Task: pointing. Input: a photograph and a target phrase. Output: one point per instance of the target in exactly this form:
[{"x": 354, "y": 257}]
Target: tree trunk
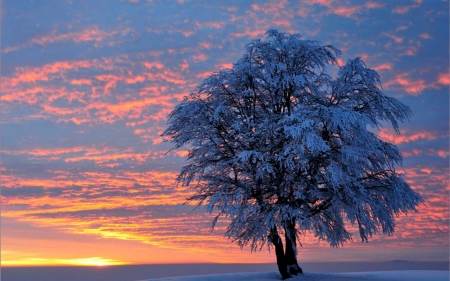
[
  {"x": 291, "y": 250},
  {"x": 279, "y": 251}
]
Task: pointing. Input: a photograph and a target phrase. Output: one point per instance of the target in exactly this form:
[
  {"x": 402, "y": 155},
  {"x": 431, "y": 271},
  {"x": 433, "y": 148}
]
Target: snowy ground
[{"x": 400, "y": 275}]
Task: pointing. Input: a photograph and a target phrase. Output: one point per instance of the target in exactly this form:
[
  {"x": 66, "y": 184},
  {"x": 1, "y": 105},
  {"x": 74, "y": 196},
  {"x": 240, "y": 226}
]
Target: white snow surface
[{"x": 399, "y": 275}]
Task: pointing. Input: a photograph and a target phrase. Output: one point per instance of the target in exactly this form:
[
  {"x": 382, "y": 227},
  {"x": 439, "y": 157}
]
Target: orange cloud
[
  {"x": 134, "y": 79},
  {"x": 29, "y": 95},
  {"x": 152, "y": 134},
  {"x": 181, "y": 153},
  {"x": 52, "y": 70},
  {"x": 81, "y": 82},
  {"x": 224, "y": 65},
  {"x": 168, "y": 76}
]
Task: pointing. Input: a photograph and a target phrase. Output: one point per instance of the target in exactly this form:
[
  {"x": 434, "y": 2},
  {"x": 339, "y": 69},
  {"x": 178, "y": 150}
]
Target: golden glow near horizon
[
  {"x": 86, "y": 178},
  {"x": 93, "y": 261}
]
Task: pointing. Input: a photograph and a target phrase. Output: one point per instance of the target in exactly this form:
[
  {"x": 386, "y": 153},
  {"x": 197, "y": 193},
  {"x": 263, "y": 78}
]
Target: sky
[{"x": 86, "y": 88}]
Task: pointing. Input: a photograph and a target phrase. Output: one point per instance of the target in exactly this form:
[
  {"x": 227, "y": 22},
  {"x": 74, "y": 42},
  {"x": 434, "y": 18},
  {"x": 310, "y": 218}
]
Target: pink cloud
[
  {"x": 36, "y": 86},
  {"x": 89, "y": 35},
  {"x": 383, "y": 66},
  {"x": 444, "y": 79},
  {"x": 425, "y": 35},
  {"x": 405, "y": 9},
  {"x": 81, "y": 82},
  {"x": 346, "y": 11},
  {"x": 405, "y": 137},
  {"x": 275, "y": 14},
  {"x": 110, "y": 81},
  {"x": 156, "y": 65},
  {"x": 282, "y": 22},
  {"x": 152, "y": 134},
  {"x": 412, "y": 86},
  {"x": 223, "y": 66},
  {"x": 210, "y": 24},
  {"x": 205, "y": 45},
  {"x": 337, "y": 8},
  {"x": 397, "y": 39},
  {"x": 184, "y": 65},
  {"x": 373, "y": 5},
  {"x": 250, "y": 33},
  {"x": 51, "y": 71},
  {"x": 200, "y": 57},
  {"x": 416, "y": 152},
  {"x": 168, "y": 76},
  {"x": 134, "y": 79},
  {"x": 272, "y": 7},
  {"x": 203, "y": 75}
]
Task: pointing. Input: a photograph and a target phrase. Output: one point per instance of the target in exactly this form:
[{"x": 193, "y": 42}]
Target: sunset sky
[{"x": 86, "y": 89}]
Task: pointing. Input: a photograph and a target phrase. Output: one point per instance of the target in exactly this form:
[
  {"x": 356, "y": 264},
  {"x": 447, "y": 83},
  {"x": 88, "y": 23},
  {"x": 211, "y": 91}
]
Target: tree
[{"x": 280, "y": 148}]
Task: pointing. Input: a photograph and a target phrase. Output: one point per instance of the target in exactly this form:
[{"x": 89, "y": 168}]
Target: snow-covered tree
[{"x": 280, "y": 148}]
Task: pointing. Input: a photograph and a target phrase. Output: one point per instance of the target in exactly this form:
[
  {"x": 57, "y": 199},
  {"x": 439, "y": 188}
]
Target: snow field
[{"x": 399, "y": 275}]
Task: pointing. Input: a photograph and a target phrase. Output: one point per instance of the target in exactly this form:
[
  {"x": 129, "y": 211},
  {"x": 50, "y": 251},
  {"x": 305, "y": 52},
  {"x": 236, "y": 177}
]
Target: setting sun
[{"x": 93, "y": 261}]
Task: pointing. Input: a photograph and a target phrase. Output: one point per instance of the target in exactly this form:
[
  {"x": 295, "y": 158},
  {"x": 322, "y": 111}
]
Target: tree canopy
[{"x": 280, "y": 147}]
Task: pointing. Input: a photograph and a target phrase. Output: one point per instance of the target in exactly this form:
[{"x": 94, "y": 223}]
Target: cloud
[
  {"x": 84, "y": 91},
  {"x": 383, "y": 66},
  {"x": 397, "y": 39},
  {"x": 210, "y": 24},
  {"x": 92, "y": 35},
  {"x": 255, "y": 22},
  {"x": 199, "y": 58},
  {"x": 52, "y": 71},
  {"x": 414, "y": 86},
  {"x": 444, "y": 78},
  {"x": 225, "y": 65},
  {"x": 443, "y": 153},
  {"x": 345, "y": 10},
  {"x": 389, "y": 135},
  {"x": 425, "y": 36},
  {"x": 405, "y": 9}
]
